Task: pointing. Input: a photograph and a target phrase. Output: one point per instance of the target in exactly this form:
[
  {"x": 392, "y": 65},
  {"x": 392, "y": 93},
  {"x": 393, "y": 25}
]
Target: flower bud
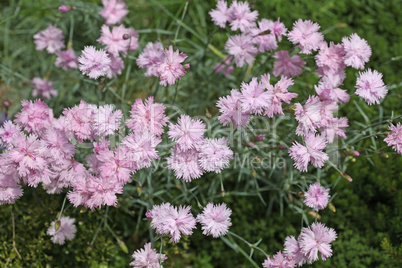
[
  {"x": 260, "y": 137},
  {"x": 64, "y": 8},
  {"x": 126, "y": 36},
  {"x": 57, "y": 225}
]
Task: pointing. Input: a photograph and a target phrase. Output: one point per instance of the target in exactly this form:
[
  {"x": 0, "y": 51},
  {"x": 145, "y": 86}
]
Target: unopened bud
[
  {"x": 283, "y": 147},
  {"x": 258, "y": 159},
  {"x": 100, "y": 86},
  {"x": 314, "y": 214},
  {"x": 6, "y": 103},
  {"x": 260, "y": 137},
  {"x": 300, "y": 194},
  {"x": 123, "y": 246},
  {"x": 187, "y": 66},
  {"x": 148, "y": 214},
  {"x": 223, "y": 192},
  {"x": 126, "y": 36},
  {"x": 356, "y": 153},
  {"x": 251, "y": 144},
  {"x": 346, "y": 176},
  {"x": 64, "y": 8},
  {"x": 208, "y": 115},
  {"x": 254, "y": 173},
  {"x": 332, "y": 207},
  {"x": 342, "y": 25},
  {"x": 139, "y": 189},
  {"x": 57, "y": 225}
]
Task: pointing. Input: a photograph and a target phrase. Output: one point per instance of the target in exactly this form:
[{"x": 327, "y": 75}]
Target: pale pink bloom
[
  {"x": 186, "y": 164},
  {"x": 293, "y": 251},
  {"x": 43, "y": 88},
  {"x": 329, "y": 59},
  {"x": 187, "y": 132},
  {"x": 150, "y": 58},
  {"x": 81, "y": 119},
  {"x": 317, "y": 238},
  {"x": 370, "y": 87},
  {"x": 103, "y": 192},
  {"x": 141, "y": 148},
  {"x": 34, "y": 117},
  {"x": 51, "y": 38},
  {"x": 114, "y": 11},
  {"x": 306, "y": 35},
  {"x": 357, "y": 51},
  {"x": 242, "y": 48},
  {"x": 225, "y": 66},
  {"x": 170, "y": 69},
  {"x": 106, "y": 121},
  {"x": 220, "y": 15},
  {"x": 277, "y": 28},
  {"x": 308, "y": 115},
  {"x": 215, "y": 219},
  {"x": 67, "y": 59},
  {"x": 115, "y": 67},
  {"x": 286, "y": 65},
  {"x": 80, "y": 193},
  {"x": 119, "y": 40},
  {"x": 168, "y": 220},
  {"x": 280, "y": 94},
  {"x": 7, "y": 131},
  {"x": 311, "y": 152},
  {"x": 394, "y": 138},
  {"x": 10, "y": 191},
  {"x": 317, "y": 197},
  {"x": 147, "y": 258},
  {"x": 278, "y": 260},
  {"x": 231, "y": 111},
  {"x": 115, "y": 164},
  {"x": 94, "y": 63},
  {"x": 335, "y": 127},
  {"x": 65, "y": 232},
  {"x": 263, "y": 37},
  {"x": 214, "y": 154},
  {"x": 64, "y": 8},
  {"x": 241, "y": 17},
  {"x": 148, "y": 116},
  {"x": 328, "y": 89},
  {"x": 57, "y": 145},
  {"x": 254, "y": 98}
]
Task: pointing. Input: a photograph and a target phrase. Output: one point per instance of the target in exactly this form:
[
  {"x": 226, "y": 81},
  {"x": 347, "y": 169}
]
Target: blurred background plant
[{"x": 264, "y": 198}]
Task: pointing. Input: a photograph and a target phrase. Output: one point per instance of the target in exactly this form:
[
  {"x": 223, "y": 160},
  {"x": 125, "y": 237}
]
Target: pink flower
[
  {"x": 317, "y": 238},
  {"x": 215, "y": 220},
  {"x": 335, "y": 127},
  {"x": 241, "y": 17},
  {"x": 67, "y": 59},
  {"x": 328, "y": 89},
  {"x": 81, "y": 120},
  {"x": 280, "y": 93},
  {"x": 394, "y": 138},
  {"x": 94, "y": 63},
  {"x": 357, "y": 51},
  {"x": 149, "y": 116},
  {"x": 215, "y": 154},
  {"x": 242, "y": 48},
  {"x": 10, "y": 191},
  {"x": 115, "y": 164},
  {"x": 57, "y": 145},
  {"x": 64, "y": 8},
  {"x": 265, "y": 40},
  {"x": 114, "y": 11},
  {"x": 225, "y": 66},
  {"x": 306, "y": 35},
  {"x": 220, "y": 15},
  {"x": 370, "y": 87},
  {"x": 51, "y": 38},
  {"x": 35, "y": 116},
  {"x": 317, "y": 197},
  {"x": 115, "y": 67},
  {"x": 150, "y": 58},
  {"x": 170, "y": 69},
  {"x": 187, "y": 132},
  {"x": 309, "y": 115},
  {"x": 65, "y": 232},
  {"x": 330, "y": 58},
  {"x": 43, "y": 88},
  {"x": 278, "y": 260},
  {"x": 147, "y": 258},
  {"x": 254, "y": 98},
  {"x": 186, "y": 164},
  {"x": 167, "y": 219},
  {"x": 120, "y": 39},
  {"x": 293, "y": 251},
  {"x": 103, "y": 192},
  {"x": 312, "y": 152},
  {"x": 106, "y": 121},
  {"x": 288, "y": 66},
  {"x": 277, "y": 28},
  {"x": 8, "y": 131},
  {"x": 231, "y": 111}
]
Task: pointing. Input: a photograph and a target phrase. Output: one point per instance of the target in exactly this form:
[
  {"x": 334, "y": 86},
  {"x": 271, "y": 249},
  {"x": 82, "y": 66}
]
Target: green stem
[
  {"x": 178, "y": 26},
  {"x": 62, "y": 208},
  {"x": 160, "y": 253}
]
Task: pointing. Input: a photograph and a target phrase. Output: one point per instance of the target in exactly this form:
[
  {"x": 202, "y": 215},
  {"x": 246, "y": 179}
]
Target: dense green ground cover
[{"x": 368, "y": 210}]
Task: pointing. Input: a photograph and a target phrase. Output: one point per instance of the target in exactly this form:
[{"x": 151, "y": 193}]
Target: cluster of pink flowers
[
  {"x": 194, "y": 154},
  {"x": 169, "y": 220},
  {"x": 163, "y": 63},
  {"x": 313, "y": 240}
]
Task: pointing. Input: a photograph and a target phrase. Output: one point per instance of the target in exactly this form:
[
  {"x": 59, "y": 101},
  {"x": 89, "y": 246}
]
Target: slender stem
[
  {"x": 160, "y": 253},
  {"x": 175, "y": 92},
  {"x": 62, "y": 207},
  {"x": 70, "y": 37},
  {"x": 178, "y": 26},
  {"x": 14, "y": 247}
]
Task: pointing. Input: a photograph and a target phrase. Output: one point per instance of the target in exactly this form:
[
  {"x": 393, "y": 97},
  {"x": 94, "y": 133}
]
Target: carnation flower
[
  {"x": 7, "y": 131},
  {"x": 106, "y": 121},
  {"x": 242, "y": 48},
  {"x": 231, "y": 111},
  {"x": 43, "y": 88},
  {"x": 81, "y": 119},
  {"x": 220, "y": 15},
  {"x": 34, "y": 117},
  {"x": 308, "y": 115},
  {"x": 167, "y": 219},
  {"x": 328, "y": 89},
  {"x": 225, "y": 66},
  {"x": 293, "y": 251},
  {"x": 115, "y": 164},
  {"x": 317, "y": 238},
  {"x": 114, "y": 11},
  {"x": 120, "y": 39},
  {"x": 278, "y": 260},
  {"x": 149, "y": 116},
  {"x": 317, "y": 197},
  {"x": 335, "y": 127},
  {"x": 266, "y": 41},
  {"x": 215, "y": 220},
  {"x": 241, "y": 17},
  {"x": 254, "y": 98},
  {"x": 370, "y": 87},
  {"x": 302, "y": 155},
  {"x": 186, "y": 164},
  {"x": 94, "y": 63},
  {"x": 215, "y": 154},
  {"x": 170, "y": 69},
  {"x": 306, "y": 35},
  {"x": 10, "y": 191},
  {"x": 115, "y": 67},
  {"x": 66, "y": 230},
  {"x": 102, "y": 191},
  {"x": 147, "y": 258},
  {"x": 187, "y": 132},
  {"x": 150, "y": 58},
  {"x": 330, "y": 58},
  {"x": 57, "y": 145},
  {"x": 51, "y": 38},
  {"x": 287, "y": 66},
  {"x": 280, "y": 93},
  {"x": 67, "y": 59},
  {"x": 394, "y": 138},
  {"x": 357, "y": 51}
]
